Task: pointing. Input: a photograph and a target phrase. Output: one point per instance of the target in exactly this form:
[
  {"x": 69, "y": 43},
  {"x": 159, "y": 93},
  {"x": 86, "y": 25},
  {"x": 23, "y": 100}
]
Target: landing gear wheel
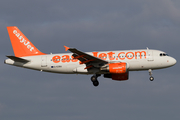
[
  {"x": 93, "y": 78},
  {"x": 151, "y": 78},
  {"x": 96, "y": 83}
]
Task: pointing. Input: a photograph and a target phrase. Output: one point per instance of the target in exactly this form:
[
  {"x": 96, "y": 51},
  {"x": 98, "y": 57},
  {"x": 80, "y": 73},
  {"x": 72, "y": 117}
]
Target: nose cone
[{"x": 173, "y": 61}]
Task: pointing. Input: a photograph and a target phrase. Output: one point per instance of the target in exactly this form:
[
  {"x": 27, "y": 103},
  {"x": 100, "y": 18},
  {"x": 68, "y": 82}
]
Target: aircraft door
[
  {"x": 150, "y": 55},
  {"x": 44, "y": 61}
]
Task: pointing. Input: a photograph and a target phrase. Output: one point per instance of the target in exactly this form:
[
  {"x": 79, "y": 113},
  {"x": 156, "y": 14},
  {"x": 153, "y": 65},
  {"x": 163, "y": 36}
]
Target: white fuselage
[
  {"x": 111, "y": 64},
  {"x": 136, "y": 60}
]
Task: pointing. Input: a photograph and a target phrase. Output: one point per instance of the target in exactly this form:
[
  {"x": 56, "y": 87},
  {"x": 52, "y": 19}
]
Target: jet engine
[{"x": 116, "y": 71}]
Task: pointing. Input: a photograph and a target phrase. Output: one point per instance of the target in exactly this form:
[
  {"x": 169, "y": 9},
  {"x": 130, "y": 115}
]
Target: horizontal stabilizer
[{"x": 17, "y": 59}]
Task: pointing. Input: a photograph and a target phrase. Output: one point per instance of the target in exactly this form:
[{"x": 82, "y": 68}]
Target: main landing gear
[
  {"x": 151, "y": 77},
  {"x": 94, "y": 80}
]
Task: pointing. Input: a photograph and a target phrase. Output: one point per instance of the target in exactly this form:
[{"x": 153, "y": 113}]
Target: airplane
[{"x": 111, "y": 64}]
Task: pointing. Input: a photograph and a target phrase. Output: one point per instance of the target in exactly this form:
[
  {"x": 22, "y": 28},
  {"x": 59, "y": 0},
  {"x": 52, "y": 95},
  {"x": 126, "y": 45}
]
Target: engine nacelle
[
  {"x": 118, "y": 77},
  {"x": 115, "y": 68},
  {"x": 116, "y": 71}
]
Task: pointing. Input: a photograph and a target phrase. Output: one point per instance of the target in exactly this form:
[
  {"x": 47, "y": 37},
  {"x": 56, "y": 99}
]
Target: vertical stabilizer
[{"x": 21, "y": 45}]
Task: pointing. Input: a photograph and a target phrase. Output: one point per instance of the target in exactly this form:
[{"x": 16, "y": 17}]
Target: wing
[{"x": 87, "y": 59}]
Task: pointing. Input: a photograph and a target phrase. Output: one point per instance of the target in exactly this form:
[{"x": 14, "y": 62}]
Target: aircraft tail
[{"x": 21, "y": 45}]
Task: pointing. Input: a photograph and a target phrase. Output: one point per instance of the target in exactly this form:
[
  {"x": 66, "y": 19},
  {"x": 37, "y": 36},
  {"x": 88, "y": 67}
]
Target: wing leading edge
[{"x": 84, "y": 58}]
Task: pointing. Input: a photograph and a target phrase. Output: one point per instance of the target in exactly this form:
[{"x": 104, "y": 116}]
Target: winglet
[{"x": 66, "y": 48}]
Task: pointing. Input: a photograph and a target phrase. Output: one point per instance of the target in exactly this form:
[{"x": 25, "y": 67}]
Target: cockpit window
[{"x": 163, "y": 54}]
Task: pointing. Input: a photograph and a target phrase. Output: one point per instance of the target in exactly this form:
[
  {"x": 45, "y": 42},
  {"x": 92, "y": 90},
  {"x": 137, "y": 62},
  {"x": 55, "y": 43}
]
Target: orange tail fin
[{"x": 21, "y": 45}]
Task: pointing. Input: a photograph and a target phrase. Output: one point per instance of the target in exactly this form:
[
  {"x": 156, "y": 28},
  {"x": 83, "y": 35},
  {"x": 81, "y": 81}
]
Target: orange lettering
[
  {"x": 128, "y": 54},
  {"x": 65, "y": 58},
  {"x": 56, "y": 59},
  {"x": 103, "y": 56},
  {"x": 140, "y": 54},
  {"x": 110, "y": 54},
  {"x": 95, "y": 54},
  {"x": 119, "y": 55}
]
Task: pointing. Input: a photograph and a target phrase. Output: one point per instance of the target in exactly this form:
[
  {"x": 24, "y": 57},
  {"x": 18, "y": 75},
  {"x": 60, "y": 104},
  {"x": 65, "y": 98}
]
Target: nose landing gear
[
  {"x": 151, "y": 77},
  {"x": 94, "y": 80}
]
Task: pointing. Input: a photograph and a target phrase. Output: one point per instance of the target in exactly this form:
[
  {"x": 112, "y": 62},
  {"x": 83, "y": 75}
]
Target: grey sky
[{"x": 90, "y": 26}]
